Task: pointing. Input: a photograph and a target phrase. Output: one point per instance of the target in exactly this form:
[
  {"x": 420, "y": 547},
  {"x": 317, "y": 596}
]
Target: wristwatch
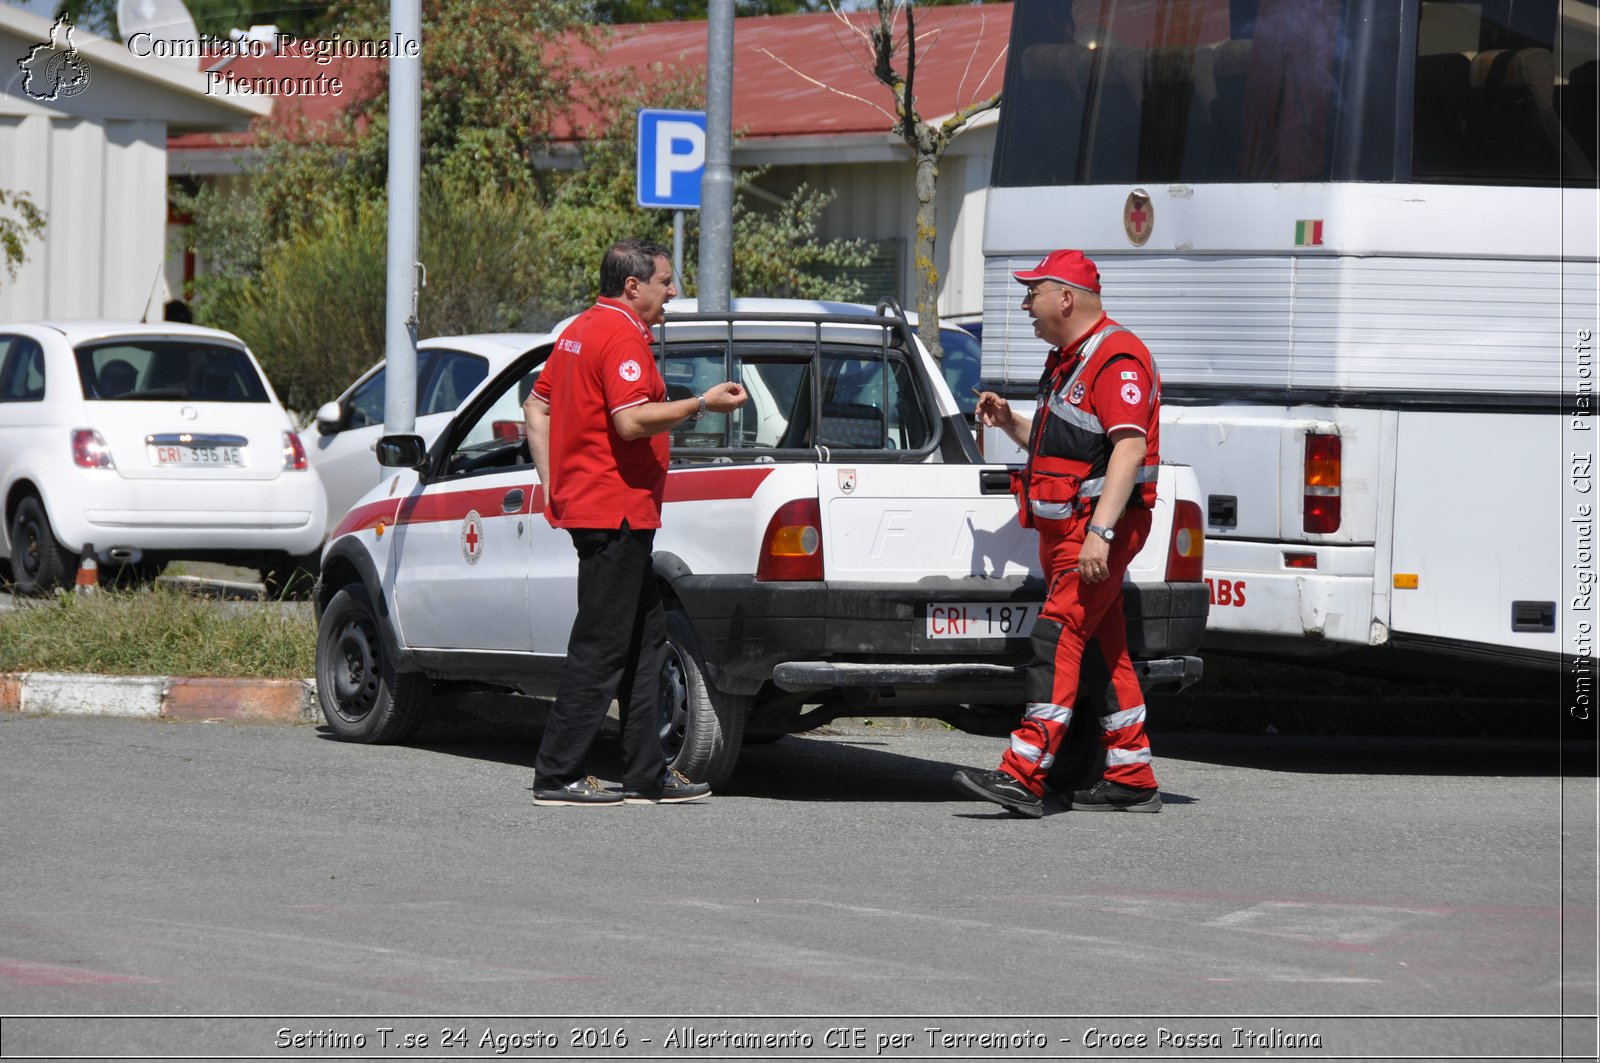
[
  {"x": 696, "y": 415},
  {"x": 1107, "y": 534}
]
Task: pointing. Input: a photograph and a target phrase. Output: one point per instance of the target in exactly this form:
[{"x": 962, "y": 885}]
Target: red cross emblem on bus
[
  {"x": 1138, "y": 217},
  {"x": 472, "y": 537}
]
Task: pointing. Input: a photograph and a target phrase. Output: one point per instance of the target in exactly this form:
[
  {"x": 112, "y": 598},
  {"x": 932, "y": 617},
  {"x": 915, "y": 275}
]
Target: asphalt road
[{"x": 208, "y": 869}]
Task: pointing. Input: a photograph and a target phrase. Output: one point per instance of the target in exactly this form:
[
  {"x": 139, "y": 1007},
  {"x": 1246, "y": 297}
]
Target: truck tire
[
  {"x": 362, "y": 697},
  {"x": 702, "y": 727},
  {"x": 40, "y": 565}
]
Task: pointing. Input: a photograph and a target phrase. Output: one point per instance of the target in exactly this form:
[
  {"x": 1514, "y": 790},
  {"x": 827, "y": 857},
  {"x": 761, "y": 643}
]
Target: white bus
[{"x": 1360, "y": 238}]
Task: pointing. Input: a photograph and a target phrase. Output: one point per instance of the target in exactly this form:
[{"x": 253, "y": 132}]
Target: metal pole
[
  {"x": 677, "y": 249},
  {"x": 405, "y": 124},
  {"x": 716, "y": 188}
]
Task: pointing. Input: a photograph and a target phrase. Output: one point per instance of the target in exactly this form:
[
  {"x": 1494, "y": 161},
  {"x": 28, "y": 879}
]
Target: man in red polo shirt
[
  {"x": 598, "y": 419},
  {"x": 1089, "y": 485}
]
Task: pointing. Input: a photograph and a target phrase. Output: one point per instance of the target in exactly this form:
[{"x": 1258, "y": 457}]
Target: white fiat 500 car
[
  {"x": 145, "y": 443},
  {"x": 449, "y": 368}
]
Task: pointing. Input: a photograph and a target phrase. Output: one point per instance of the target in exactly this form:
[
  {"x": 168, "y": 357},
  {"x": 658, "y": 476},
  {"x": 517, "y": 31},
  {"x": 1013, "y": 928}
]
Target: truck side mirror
[{"x": 402, "y": 452}]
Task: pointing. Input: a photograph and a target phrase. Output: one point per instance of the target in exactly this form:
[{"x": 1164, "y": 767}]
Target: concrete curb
[{"x": 281, "y": 701}]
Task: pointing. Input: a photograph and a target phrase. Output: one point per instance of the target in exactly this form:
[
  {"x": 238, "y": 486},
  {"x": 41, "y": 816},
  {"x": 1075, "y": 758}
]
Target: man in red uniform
[
  {"x": 1093, "y": 458},
  {"x": 598, "y": 419}
]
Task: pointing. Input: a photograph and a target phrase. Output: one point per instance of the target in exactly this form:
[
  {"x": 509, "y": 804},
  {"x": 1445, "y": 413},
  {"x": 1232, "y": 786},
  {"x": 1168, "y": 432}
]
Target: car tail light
[
  {"x": 89, "y": 450},
  {"x": 792, "y": 547},
  {"x": 294, "y": 452},
  {"x": 1186, "y": 552},
  {"x": 1323, "y": 476}
]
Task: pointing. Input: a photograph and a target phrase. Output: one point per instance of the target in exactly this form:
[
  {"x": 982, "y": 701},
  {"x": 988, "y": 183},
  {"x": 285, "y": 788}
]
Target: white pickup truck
[{"x": 837, "y": 546}]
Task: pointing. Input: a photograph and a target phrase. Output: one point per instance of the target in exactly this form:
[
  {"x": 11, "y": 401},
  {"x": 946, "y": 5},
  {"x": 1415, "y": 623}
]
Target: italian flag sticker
[{"x": 1308, "y": 233}]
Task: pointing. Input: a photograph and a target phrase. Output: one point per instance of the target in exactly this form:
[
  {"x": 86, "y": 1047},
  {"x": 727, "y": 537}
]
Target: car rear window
[{"x": 168, "y": 370}]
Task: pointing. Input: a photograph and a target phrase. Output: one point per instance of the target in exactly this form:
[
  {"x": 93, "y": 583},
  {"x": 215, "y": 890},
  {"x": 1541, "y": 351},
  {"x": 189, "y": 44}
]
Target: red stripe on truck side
[
  {"x": 368, "y": 516},
  {"x": 707, "y": 485},
  {"x": 689, "y": 485}
]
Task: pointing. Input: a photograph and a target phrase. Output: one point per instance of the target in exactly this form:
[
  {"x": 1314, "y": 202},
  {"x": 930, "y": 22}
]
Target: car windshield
[{"x": 128, "y": 370}]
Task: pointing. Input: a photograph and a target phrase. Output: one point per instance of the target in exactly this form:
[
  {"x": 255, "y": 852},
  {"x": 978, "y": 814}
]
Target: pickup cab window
[{"x": 859, "y": 401}]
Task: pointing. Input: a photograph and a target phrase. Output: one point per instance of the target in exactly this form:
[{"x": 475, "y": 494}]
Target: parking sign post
[{"x": 672, "y": 160}]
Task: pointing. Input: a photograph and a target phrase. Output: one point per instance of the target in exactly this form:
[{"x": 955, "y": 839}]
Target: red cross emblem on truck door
[
  {"x": 1138, "y": 217},
  {"x": 472, "y": 537}
]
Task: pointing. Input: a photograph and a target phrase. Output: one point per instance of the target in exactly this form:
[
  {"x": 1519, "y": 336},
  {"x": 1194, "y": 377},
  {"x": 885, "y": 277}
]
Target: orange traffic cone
[{"x": 88, "y": 580}]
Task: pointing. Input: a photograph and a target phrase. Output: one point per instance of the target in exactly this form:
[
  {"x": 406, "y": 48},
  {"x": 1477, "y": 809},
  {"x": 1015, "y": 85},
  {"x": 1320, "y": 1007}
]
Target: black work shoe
[
  {"x": 1000, "y": 788},
  {"x": 674, "y": 788},
  {"x": 1105, "y": 796},
  {"x": 586, "y": 791}
]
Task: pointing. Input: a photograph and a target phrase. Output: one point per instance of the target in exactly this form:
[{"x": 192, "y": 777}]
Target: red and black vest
[{"x": 1068, "y": 448}]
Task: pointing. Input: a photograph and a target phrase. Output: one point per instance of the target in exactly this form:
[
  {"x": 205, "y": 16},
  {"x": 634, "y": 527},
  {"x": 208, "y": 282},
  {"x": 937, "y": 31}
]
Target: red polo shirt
[{"x": 602, "y": 363}]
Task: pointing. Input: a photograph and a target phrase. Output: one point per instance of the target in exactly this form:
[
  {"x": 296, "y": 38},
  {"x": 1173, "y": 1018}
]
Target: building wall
[
  {"x": 96, "y": 164},
  {"x": 102, "y": 187}
]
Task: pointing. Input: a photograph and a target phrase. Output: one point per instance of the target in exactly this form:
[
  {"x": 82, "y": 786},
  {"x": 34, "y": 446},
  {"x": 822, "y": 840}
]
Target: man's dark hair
[
  {"x": 630, "y": 258},
  {"x": 177, "y": 310}
]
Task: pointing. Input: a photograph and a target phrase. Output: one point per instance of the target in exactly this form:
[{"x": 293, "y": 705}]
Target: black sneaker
[
  {"x": 674, "y": 788},
  {"x": 1000, "y": 788},
  {"x": 586, "y": 791},
  {"x": 1106, "y": 796}
]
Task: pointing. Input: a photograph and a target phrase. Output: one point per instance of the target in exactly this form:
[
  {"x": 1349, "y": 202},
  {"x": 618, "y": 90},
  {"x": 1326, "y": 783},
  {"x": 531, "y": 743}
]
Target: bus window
[
  {"x": 1505, "y": 93},
  {"x": 1118, "y": 91}
]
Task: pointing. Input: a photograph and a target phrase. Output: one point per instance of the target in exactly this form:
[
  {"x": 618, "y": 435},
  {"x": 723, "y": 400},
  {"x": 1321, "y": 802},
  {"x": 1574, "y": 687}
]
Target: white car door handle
[{"x": 512, "y": 502}]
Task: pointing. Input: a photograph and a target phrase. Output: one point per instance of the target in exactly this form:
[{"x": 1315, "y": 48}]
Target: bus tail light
[
  {"x": 1323, "y": 480},
  {"x": 791, "y": 549},
  {"x": 1186, "y": 551}
]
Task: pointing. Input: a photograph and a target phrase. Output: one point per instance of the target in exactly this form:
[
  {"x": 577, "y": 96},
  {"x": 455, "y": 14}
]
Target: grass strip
[{"x": 157, "y": 631}]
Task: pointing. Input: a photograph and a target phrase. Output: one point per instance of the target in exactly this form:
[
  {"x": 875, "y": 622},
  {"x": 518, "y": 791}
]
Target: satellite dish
[{"x": 169, "y": 25}]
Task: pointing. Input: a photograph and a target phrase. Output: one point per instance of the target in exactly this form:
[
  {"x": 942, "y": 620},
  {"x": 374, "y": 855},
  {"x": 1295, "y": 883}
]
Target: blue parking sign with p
[{"x": 672, "y": 158}]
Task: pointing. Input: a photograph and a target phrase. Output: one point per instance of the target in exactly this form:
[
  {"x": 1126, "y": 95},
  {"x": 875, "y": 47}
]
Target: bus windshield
[{"x": 1456, "y": 91}]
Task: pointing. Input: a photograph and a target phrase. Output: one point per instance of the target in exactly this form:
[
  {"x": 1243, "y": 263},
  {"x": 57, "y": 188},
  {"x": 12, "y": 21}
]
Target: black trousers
[{"x": 615, "y": 651}]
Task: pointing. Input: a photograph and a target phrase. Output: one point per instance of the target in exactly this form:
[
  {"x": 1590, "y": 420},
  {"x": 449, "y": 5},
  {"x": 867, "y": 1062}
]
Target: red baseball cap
[{"x": 1068, "y": 267}]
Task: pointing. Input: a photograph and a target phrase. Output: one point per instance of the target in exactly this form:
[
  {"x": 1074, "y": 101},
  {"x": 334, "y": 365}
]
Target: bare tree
[{"x": 889, "y": 47}]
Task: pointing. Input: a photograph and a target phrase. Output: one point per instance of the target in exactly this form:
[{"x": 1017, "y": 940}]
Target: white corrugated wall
[{"x": 102, "y": 186}]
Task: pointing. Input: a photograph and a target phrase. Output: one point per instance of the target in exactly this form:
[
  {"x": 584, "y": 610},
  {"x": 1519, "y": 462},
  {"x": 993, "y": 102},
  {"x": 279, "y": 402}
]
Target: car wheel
[
  {"x": 39, "y": 563},
  {"x": 291, "y": 578},
  {"x": 363, "y": 698},
  {"x": 702, "y": 727}
]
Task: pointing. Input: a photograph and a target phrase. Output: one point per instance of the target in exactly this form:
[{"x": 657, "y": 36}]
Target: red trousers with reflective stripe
[{"x": 1075, "y": 612}]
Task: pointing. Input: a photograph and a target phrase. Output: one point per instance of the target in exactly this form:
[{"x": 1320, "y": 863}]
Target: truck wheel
[
  {"x": 702, "y": 727},
  {"x": 39, "y": 563},
  {"x": 362, "y": 697}
]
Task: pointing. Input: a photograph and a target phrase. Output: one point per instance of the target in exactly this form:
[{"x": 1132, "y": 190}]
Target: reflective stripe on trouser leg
[
  {"x": 1034, "y": 744},
  {"x": 1123, "y": 737},
  {"x": 1044, "y": 724}
]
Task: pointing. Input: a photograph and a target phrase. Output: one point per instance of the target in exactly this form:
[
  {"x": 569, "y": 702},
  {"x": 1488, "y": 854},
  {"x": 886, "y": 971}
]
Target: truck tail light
[
  {"x": 294, "y": 452},
  {"x": 89, "y": 450},
  {"x": 1186, "y": 552},
  {"x": 1323, "y": 479},
  {"x": 791, "y": 549}
]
